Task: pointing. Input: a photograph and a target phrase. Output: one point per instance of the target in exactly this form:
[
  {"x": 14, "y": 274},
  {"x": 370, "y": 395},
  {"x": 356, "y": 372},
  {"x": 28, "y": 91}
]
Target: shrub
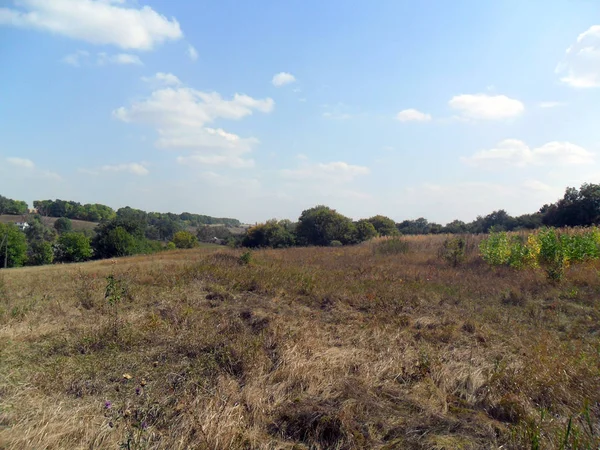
[
  {"x": 270, "y": 234},
  {"x": 495, "y": 250},
  {"x": 453, "y": 251},
  {"x": 185, "y": 239},
  {"x": 171, "y": 246},
  {"x": 73, "y": 247},
  {"x": 63, "y": 225},
  {"x": 245, "y": 258},
  {"x": 365, "y": 231},
  {"x": 552, "y": 253},
  {"x": 384, "y": 226},
  {"x": 394, "y": 246},
  {"x": 40, "y": 253},
  {"x": 336, "y": 244}
]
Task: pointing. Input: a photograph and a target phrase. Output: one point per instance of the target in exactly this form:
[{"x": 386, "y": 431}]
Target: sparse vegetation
[{"x": 321, "y": 348}]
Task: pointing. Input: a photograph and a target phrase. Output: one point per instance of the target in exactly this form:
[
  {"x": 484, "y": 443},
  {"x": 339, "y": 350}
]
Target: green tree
[
  {"x": 185, "y": 239},
  {"x": 38, "y": 230},
  {"x": 73, "y": 247},
  {"x": 13, "y": 248},
  {"x": 321, "y": 225},
  {"x": 14, "y": 207},
  {"x": 270, "y": 234},
  {"x": 63, "y": 225},
  {"x": 40, "y": 253},
  {"x": 206, "y": 233},
  {"x": 114, "y": 242},
  {"x": 384, "y": 225},
  {"x": 365, "y": 230}
]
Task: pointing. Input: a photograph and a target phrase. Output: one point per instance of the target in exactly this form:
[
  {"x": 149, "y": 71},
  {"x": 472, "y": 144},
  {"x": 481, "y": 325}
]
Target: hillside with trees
[{"x": 129, "y": 231}]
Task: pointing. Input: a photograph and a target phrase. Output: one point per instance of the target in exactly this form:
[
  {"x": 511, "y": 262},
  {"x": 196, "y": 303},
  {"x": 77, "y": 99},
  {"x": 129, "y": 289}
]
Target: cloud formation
[
  {"x": 333, "y": 172},
  {"x": 132, "y": 168},
  {"x": 283, "y": 78},
  {"x": 515, "y": 153},
  {"x": 486, "y": 107},
  {"x": 100, "y": 22},
  {"x": 164, "y": 79},
  {"x": 581, "y": 66},
  {"x": 192, "y": 53},
  {"x": 28, "y": 166},
  {"x": 21, "y": 162},
  {"x": 181, "y": 114},
  {"x": 413, "y": 115}
]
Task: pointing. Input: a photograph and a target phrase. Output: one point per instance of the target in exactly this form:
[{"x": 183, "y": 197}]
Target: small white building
[{"x": 22, "y": 225}]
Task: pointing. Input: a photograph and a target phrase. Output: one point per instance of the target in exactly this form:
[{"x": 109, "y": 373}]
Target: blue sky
[{"x": 257, "y": 110}]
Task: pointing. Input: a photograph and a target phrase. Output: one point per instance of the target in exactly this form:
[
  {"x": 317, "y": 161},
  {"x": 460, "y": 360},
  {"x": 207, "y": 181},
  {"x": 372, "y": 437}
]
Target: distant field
[
  {"x": 304, "y": 348},
  {"x": 78, "y": 225}
]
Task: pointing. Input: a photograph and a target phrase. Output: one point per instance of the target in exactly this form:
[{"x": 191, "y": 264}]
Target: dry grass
[{"x": 324, "y": 348}]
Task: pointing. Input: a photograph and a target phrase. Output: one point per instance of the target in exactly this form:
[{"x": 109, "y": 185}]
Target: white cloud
[
  {"x": 74, "y": 59},
  {"x": 121, "y": 58},
  {"x": 192, "y": 53},
  {"x": 132, "y": 168},
  {"x": 483, "y": 106},
  {"x": 21, "y": 162},
  {"x": 283, "y": 78},
  {"x": 180, "y": 115},
  {"x": 333, "y": 172},
  {"x": 165, "y": 79},
  {"x": 513, "y": 152},
  {"x": 581, "y": 66},
  {"x": 413, "y": 115},
  {"x": 550, "y": 104},
  {"x": 31, "y": 169},
  {"x": 97, "y": 22}
]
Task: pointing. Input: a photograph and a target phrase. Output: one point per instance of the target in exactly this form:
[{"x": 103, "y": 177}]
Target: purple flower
[
  {"x": 144, "y": 425},
  {"x": 137, "y": 391},
  {"x": 107, "y": 404}
]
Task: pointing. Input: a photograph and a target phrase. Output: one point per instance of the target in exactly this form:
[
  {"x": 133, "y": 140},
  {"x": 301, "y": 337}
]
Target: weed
[
  {"x": 245, "y": 258},
  {"x": 390, "y": 246}
]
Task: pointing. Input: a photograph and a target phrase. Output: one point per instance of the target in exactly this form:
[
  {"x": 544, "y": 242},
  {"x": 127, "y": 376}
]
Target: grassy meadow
[{"x": 366, "y": 346}]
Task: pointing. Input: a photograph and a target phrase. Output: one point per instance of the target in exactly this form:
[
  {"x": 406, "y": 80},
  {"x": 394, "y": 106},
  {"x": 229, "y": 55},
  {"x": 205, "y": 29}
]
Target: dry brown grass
[{"x": 340, "y": 348}]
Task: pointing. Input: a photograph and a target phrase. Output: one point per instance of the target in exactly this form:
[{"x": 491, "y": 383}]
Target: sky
[{"x": 259, "y": 110}]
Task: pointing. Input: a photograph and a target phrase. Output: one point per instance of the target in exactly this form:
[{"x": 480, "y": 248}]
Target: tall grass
[{"x": 315, "y": 348}]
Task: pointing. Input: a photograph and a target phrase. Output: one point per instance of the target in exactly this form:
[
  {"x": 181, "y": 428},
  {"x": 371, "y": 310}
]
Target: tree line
[
  {"x": 132, "y": 231},
  {"x": 97, "y": 212},
  {"x": 324, "y": 226},
  {"x": 9, "y": 206}
]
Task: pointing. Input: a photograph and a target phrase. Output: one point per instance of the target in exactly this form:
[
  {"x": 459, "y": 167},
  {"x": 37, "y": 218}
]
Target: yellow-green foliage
[{"x": 550, "y": 248}]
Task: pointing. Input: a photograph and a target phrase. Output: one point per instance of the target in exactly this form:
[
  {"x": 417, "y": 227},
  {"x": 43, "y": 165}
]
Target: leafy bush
[
  {"x": 63, "y": 225},
  {"x": 394, "y": 246},
  {"x": 40, "y": 253},
  {"x": 185, "y": 239},
  {"x": 270, "y": 234},
  {"x": 549, "y": 248},
  {"x": 246, "y": 258},
  {"x": 73, "y": 247},
  {"x": 336, "y": 244},
  {"x": 453, "y": 251},
  {"x": 495, "y": 250}
]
